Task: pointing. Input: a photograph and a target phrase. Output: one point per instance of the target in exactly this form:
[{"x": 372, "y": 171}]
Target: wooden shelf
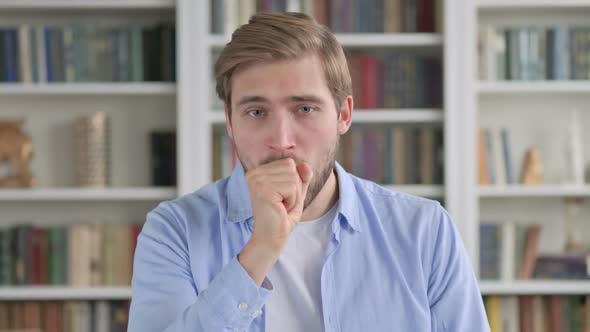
[
  {"x": 508, "y": 87},
  {"x": 64, "y": 293},
  {"x": 390, "y": 40},
  {"x": 80, "y": 194},
  {"x": 374, "y": 116},
  {"x": 535, "y": 191},
  {"x": 368, "y": 40},
  {"x": 87, "y": 4},
  {"x": 535, "y": 287},
  {"x": 61, "y": 89}
]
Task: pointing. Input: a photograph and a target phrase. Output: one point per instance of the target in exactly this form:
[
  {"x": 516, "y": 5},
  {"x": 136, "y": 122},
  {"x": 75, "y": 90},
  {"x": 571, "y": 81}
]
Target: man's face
[{"x": 285, "y": 109}]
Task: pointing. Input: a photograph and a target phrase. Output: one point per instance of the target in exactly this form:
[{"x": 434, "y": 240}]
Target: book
[
  {"x": 531, "y": 249},
  {"x": 163, "y": 157},
  {"x": 563, "y": 266}
]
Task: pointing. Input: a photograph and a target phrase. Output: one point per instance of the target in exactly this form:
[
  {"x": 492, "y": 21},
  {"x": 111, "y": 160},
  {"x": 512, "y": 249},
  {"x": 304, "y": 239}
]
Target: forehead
[{"x": 276, "y": 79}]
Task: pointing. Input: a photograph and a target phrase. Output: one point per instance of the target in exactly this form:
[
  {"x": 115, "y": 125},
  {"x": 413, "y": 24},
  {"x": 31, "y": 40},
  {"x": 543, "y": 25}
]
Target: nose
[{"x": 281, "y": 137}]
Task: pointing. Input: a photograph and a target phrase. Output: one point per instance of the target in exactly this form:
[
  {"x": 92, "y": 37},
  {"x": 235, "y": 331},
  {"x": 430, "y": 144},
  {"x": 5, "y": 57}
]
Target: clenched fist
[{"x": 277, "y": 192}]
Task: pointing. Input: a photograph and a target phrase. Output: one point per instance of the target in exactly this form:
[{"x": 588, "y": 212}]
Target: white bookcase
[
  {"x": 537, "y": 114},
  {"x": 187, "y": 106},
  {"x": 49, "y": 110}
]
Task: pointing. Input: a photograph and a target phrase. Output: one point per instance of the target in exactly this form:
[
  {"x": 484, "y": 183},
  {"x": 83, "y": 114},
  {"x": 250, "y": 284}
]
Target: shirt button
[
  {"x": 257, "y": 313},
  {"x": 243, "y": 306}
]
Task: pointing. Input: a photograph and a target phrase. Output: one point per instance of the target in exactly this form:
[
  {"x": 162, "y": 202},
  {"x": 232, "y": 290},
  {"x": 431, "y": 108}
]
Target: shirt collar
[{"x": 239, "y": 207}]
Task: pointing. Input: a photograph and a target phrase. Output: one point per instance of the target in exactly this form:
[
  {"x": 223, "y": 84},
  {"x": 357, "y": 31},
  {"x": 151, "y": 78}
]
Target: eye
[
  {"x": 255, "y": 113},
  {"x": 306, "y": 109}
]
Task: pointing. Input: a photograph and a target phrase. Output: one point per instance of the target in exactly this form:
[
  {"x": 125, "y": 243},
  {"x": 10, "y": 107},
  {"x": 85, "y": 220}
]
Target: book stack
[
  {"x": 394, "y": 155},
  {"x": 84, "y": 52},
  {"x": 92, "y": 137},
  {"x": 510, "y": 251},
  {"x": 342, "y": 16},
  {"x": 55, "y": 316},
  {"x": 395, "y": 80},
  {"x": 495, "y": 162},
  {"x": 538, "y": 313},
  {"x": 163, "y": 157},
  {"x": 534, "y": 53},
  {"x": 80, "y": 255}
]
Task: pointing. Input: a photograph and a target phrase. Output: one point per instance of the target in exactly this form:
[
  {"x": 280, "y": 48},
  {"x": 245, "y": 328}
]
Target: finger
[
  {"x": 288, "y": 193},
  {"x": 305, "y": 174},
  {"x": 279, "y": 165},
  {"x": 279, "y": 177}
]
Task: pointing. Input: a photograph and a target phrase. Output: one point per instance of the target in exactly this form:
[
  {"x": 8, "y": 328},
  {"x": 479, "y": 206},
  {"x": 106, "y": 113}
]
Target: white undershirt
[{"x": 296, "y": 302}]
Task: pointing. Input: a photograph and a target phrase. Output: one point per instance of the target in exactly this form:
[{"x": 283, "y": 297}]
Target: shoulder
[
  {"x": 393, "y": 202},
  {"x": 407, "y": 219},
  {"x": 178, "y": 216}
]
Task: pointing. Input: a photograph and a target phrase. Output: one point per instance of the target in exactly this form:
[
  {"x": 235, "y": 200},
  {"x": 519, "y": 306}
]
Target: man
[{"x": 290, "y": 241}]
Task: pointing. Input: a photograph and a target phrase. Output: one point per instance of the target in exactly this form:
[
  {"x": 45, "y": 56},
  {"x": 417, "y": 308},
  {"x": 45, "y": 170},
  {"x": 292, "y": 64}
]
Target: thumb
[{"x": 306, "y": 174}]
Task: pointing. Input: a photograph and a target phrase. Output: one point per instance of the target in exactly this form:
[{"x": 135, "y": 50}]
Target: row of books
[
  {"x": 84, "y": 52},
  {"x": 68, "y": 316},
  {"x": 74, "y": 255},
  {"x": 537, "y": 313},
  {"x": 385, "y": 155},
  {"x": 394, "y": 155},
  {"x": 495, "y": 157},
  {"x": 389, "y": 80},
  {"x": 227, "y": 15},
  {"x": 396, "y": 80},
  {"x": 342, "y": 16},
  {"x": 377, "y": 16},
  {"x": 509, "y": 250},
  {"x": 534, "y": 53}
]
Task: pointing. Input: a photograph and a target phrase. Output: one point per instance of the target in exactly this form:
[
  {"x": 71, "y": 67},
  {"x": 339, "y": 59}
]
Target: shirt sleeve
[
  {"x": 165, "y": 297},
  {"x": 455, "y": 299}
]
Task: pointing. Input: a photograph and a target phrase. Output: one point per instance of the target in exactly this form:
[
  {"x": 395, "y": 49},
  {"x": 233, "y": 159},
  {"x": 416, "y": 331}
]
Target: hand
[{"x": 277, "y": 192}]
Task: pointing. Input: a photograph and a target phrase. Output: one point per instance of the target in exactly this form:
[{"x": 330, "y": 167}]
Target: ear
[
  {"x": 345, "y": 119},
  {"x": 228, "y": 122}
]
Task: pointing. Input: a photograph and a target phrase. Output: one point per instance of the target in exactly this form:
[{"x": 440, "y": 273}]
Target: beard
[{"x": 321, "y": 172}]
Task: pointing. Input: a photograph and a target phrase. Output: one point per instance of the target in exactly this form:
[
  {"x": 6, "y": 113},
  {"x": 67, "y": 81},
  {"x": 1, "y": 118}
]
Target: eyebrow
[{"x": 300, "y": 98}]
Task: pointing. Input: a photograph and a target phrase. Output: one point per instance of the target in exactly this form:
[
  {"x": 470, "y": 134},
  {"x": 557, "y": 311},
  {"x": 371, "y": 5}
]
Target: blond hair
[{"x": 283, "y": 36}]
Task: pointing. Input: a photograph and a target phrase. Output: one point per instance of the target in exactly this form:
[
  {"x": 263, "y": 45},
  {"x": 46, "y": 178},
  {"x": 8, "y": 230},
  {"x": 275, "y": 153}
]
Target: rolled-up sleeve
[
  {"x": 165, "y": 297},
  {"x": 455, "y": 299}
]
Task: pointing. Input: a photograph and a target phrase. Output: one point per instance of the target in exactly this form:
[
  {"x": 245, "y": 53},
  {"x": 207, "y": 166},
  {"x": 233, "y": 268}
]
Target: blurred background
[{"x": 108, "y": 107}]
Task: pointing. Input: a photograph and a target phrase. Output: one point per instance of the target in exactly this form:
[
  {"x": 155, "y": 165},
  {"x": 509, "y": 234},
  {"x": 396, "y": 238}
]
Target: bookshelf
[
  {"x": 537, "y": 287},
  {"x": 188, "y": 107},
  {"x": 530, "y": 4},
  {"x": 432, "y": 43},
  {"x": 508, "y": 88},
  {"x": 89, "y": 195},
  {"x": 536, "y": 113},
  {"x": 87, "y": 4},
  {"x": 88, "y": 89},
  {"x": 555, "y": 191},
  {"x": 49, "y": 110}
]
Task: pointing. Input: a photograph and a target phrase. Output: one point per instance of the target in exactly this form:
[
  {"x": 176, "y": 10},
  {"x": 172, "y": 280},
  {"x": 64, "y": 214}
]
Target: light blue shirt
[{"x": 395, "y": 263}]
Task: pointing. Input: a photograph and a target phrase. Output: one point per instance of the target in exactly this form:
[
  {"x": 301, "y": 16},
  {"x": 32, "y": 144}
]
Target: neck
[{"x": 324, "y": 200}]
